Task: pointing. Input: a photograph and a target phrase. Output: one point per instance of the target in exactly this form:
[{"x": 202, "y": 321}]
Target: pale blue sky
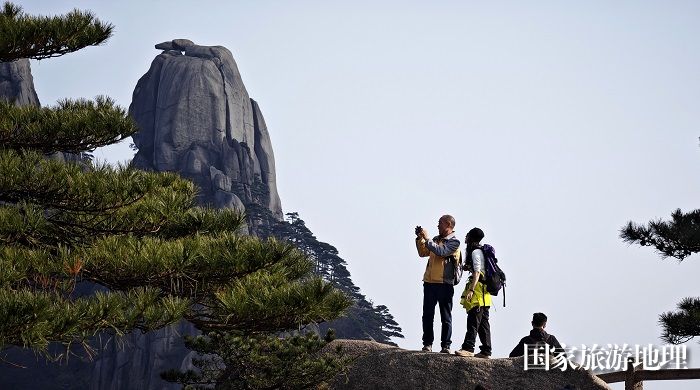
[{"x": 548, "y": 124}]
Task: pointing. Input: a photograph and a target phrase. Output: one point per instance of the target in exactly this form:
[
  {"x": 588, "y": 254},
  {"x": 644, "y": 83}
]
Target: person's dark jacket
[{"x": 537, "y": 335}]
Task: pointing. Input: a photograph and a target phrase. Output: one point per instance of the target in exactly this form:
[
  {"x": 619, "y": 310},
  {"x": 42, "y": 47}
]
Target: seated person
[{"x": 538, "y": 337}]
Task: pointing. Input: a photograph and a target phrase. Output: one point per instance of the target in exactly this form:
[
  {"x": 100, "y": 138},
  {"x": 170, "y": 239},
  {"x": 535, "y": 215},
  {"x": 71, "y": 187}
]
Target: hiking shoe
[
  {"x": 482, "y": 356},
  {"x": 445, "y": 350},
  {"x": 427, "y": 348},
  {"x": 464, "y": 353}
]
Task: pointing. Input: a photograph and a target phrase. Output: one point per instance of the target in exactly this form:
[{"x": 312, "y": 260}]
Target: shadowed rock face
[
  {"x": 196, "y": 118},
  {"x": 379, "y": 366},
  {"x": 135, "y": 361},
  {"x": 17, "y": 84}
]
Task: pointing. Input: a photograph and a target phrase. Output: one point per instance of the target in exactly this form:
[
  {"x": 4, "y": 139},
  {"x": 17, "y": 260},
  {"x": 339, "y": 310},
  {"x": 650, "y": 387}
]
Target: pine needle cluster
[
  {"x": 39, "y": 37},
  {"x": 74, "y": 125},
  {"x": 149, "y": 256}
]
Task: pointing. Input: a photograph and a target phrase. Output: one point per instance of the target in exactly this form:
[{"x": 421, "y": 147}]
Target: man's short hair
[
  {"x": 450, "y": 220},
  {"x": 475, "y": 235},
  {"x": 539, "y": 319}
]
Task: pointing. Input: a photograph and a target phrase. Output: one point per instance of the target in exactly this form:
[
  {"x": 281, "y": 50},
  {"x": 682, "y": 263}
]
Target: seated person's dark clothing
[{"x": 537, "y": 335}]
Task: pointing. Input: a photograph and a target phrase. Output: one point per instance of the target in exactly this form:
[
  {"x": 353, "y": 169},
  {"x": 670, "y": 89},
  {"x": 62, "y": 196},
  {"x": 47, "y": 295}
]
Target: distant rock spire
[{"x": 196, "y": 118}]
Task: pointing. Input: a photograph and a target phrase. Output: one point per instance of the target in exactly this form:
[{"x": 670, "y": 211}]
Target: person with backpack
[
  {"x": 441, "y": 274},
  {"x": 537, "y": 338},
  {"x": 476, "y": 299}
]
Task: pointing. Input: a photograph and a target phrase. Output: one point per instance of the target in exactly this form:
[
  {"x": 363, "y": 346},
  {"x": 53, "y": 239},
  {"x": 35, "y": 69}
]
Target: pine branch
[
  {"x": 263, "y": 302},
  {"x": 72, "y": 126},
  {"x": 192, "y": 266},
  {"x": 87, "y": 189},
  {"x": 682, "y": 325},
  {"x": 39, "y": 37},
  {"x": 32, "y": 319},
  {"x": 238, "y": 282},
  {"x": 678, "y": 238},
  {"x": 48, "y": 202}
]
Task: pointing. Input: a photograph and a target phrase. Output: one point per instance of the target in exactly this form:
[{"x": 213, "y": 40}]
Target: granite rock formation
[
  {"x": 17, "y": 84},
  {"x": 383, "y": 367},
  {"x": 195, "y": 117}
]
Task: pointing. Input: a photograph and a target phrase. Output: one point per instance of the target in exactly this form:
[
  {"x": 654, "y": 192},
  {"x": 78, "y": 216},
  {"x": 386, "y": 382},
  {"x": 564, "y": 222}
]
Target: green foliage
[
  {"x": 215, "y": 260},
  {"x": 73, "y": 125},
  {"x": 46, "y": 202},
  {"x": 35, "y": 318},
  {"x": 26, "y": 36},
  {"x": 270, "y": 302},
  {"x": 232, "y": 361}
]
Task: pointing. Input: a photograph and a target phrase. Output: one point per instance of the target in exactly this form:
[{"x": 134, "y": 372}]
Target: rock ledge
[{"x": 381, "y": 366}]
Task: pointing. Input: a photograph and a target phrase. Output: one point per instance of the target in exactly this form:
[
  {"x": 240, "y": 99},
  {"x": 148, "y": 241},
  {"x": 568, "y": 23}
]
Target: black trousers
[
  {"x": 478, "y": 323},
  {"x": 440, "y": 294}
]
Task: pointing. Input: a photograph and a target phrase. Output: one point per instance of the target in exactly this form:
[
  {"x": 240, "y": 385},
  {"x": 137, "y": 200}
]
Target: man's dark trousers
[
  {"x": 441, "y": 294},
  {"x": 478, "y": 323}
]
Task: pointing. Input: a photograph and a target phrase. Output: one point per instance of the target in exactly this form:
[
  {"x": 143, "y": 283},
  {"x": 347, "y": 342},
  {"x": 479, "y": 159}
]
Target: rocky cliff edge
[{"x": 379, "y": 366}]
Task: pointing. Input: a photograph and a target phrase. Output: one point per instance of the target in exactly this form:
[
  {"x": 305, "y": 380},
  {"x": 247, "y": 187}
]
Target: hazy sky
[{"x": 548, "y": 124}]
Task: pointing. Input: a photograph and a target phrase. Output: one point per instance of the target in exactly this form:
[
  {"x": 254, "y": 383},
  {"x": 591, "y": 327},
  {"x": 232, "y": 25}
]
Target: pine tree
[
  {"x": 363, "y": 320},
  {"x": 136, "y": 239},
  {"x": 677, "y": 238}
]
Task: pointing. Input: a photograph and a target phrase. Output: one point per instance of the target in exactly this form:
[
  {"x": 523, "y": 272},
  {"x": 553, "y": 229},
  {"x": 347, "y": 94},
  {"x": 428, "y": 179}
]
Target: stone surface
[
  {"x": 165, "y": 46},
  {"x": 181, "y": 44},
  {"x": 266, "y": 158},
  {"x": 195, "y": 117},
  {"x": 379, "y": 366},
  {"x": 17, "y": 83},
  {"x": 136, "y": 361},
  {"x": 225, "y": 199}
]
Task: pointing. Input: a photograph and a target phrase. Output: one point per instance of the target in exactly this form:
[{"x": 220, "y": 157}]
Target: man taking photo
[{"x": 439, "y": 279}]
